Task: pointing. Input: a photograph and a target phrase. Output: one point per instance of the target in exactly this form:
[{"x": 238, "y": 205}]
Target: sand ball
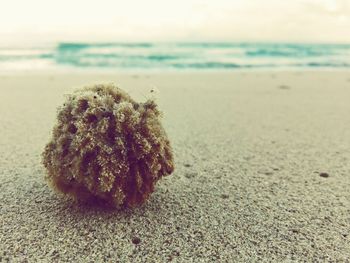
[{"x": 107, "y": 147}]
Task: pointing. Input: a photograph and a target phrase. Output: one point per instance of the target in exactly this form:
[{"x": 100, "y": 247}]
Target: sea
[{"x": 182, "y": 56}]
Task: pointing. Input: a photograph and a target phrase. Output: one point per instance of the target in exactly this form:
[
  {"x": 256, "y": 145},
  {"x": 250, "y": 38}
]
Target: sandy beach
[{"x": 262, "y": 172}]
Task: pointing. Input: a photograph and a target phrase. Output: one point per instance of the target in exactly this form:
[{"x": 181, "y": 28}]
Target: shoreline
[{"x": 103, "y": 71}]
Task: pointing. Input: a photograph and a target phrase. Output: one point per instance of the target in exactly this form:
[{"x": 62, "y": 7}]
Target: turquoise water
[{"x": 175, "y": 56}]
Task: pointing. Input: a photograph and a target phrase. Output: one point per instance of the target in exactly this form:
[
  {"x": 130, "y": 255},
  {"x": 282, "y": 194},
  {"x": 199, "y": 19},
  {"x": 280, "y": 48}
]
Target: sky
[{"x": 46, "y": 21}]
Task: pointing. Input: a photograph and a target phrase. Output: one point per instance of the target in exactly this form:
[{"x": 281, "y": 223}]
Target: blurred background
[{"x": 174, "y": 35}]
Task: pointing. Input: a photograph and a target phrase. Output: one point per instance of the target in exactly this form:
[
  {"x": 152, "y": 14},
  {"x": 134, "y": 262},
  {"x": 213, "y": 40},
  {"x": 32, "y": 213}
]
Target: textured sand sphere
[{"x": 107, "y": 146}]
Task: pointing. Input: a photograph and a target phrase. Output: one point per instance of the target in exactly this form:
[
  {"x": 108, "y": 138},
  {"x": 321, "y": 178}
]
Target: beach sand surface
[{"x": 262, "y": 172}]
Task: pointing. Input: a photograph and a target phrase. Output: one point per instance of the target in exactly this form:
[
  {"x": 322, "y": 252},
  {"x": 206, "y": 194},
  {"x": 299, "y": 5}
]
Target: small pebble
[
  {"x": 284, "y": 87},
  {"x": 136, "y": 240},
  {"x": 190, "y": 175},
  {"x": 325, "y": 175},
  {"x": 265, "y": 172}
]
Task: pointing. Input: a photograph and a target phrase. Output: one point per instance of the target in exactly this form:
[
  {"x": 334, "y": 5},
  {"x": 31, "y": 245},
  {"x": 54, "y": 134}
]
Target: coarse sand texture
[{"x": 107, "y": 147}]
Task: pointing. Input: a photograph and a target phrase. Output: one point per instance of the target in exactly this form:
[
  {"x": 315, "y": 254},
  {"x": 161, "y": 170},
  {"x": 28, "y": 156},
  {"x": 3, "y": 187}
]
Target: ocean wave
[
  {"x": 180, "y": 56},
  {"x": 78, "y": 46}
]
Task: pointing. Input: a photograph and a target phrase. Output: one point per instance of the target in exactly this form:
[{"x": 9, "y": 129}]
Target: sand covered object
[{"x": 107, "y": 146}]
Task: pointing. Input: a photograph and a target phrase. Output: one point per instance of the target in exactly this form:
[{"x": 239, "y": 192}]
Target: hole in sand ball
[
  {"x": 65, "y": 152},
  {"x": 225, "y": 196},
  {"x": 91, "y": 118},
  {"x": 187, "y": 165},
  {"x": 95, "y": 97},
  {"x": 83, "y": 105},
  {"x": 87, "y": 158},
  {"x": 136, "y": 240},
  {"x": 324, "y": 175},
  {"x": 72, "y": 128}
]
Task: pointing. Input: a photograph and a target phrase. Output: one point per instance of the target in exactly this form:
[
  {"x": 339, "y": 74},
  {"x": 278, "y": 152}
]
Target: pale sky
[{"x": 181, "y": 20}]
